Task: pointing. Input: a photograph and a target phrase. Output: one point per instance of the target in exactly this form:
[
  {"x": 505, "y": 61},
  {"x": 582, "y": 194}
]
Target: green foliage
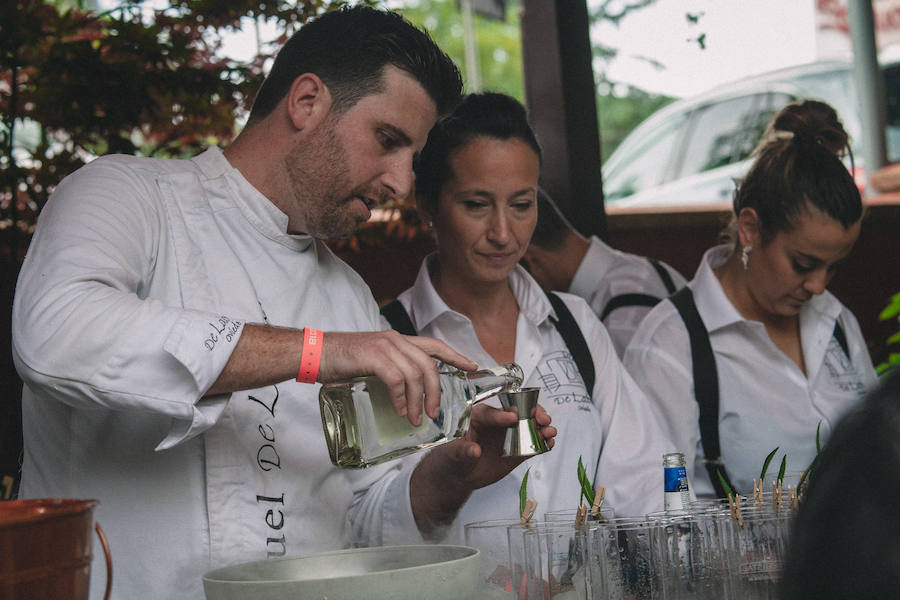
[
  {"x": 765, "y": 467},
  {"x": 498, "y": 44},
  {"x": 727, "y": 488},
  {"x": 77, "y": 84},
  {"x": 618, "y": 115},
  {"x": 587, "y": 488},
  {"x": 523, "y": 493},
  {"x": 891, "y": 312}
]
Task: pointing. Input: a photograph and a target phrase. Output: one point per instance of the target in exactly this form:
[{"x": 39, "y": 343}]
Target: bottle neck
[{"x": 490, "y": 382}]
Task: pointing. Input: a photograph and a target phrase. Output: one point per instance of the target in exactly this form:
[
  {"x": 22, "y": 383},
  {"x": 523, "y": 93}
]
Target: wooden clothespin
[
  {"x": 528, "y": 513},
  {"x": 6, "y": 487},
  {"x": 581, "y": 516},
  {"x": 598, "y": 500}
]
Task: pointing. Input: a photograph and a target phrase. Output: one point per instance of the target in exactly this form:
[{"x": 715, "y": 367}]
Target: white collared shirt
[
  {"x": 614, "y": 419},
  {"x": 132, "y": 297},
  {"x": 765, "y": 400},
  {"x": 605, "y": 273}
]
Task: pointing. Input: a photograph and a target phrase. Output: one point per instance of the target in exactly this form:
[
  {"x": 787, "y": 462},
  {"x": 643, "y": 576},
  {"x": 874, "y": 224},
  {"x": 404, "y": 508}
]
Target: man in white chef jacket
[{"x": 160, "y": 314}]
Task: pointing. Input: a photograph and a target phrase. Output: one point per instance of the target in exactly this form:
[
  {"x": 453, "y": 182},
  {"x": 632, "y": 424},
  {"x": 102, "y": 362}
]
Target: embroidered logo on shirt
[
  {"x": 841, "y": 371},
  {"x": 561, "y": 380}
]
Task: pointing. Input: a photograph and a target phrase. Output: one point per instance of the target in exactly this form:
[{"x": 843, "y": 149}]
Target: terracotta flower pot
[{"x": 45, "y": 549}]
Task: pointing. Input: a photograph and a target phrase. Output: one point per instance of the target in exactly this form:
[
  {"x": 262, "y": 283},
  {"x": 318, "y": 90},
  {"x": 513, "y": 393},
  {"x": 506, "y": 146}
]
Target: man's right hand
[{"x": 404, "y": 363}]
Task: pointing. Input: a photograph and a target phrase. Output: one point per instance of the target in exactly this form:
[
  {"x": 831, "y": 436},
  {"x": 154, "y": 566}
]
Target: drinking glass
[
  {"x": 696, "y": 564},
  {"x": 494, "y": 573},
  {"x": 559, "y": 561},
  {"x": 633, "y": 561},
  {"x": 761, "y": 541}
]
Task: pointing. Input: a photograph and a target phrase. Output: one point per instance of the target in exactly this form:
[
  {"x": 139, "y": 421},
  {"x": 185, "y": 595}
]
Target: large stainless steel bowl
[{"x": 387, "y": 573}]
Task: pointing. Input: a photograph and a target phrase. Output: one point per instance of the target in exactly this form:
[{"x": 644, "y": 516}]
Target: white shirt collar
[
  {"x": 426, "y": 305},
  {"x": 261, "y": 212},
  {"x": 719, "y": 312}
]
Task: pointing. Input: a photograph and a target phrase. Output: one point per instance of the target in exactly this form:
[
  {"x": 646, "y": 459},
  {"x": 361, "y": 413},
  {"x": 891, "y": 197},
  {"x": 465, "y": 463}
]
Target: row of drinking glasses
[{"x": 707, "y": 552}]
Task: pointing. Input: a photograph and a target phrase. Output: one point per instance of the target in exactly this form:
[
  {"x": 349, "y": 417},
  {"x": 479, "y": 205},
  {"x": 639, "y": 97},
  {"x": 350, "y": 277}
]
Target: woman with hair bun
[{"x": 755, "y": 353}]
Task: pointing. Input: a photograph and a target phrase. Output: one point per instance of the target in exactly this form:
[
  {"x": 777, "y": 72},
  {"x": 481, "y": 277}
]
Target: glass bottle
[
  {"x": 362, "y": 429},
  {"x": 676, "y": 492}
]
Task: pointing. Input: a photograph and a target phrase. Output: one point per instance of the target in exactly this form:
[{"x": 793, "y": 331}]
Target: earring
[{"x": 745, "y": 256}]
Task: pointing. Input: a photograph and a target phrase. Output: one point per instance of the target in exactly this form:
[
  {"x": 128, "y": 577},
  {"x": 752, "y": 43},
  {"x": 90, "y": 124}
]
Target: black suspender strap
[
  {"x": 397, "y": 316},
  {"x": 706, "y": 387},
  {"x": 841, "y": 338},
  {"x": 574, "y": 340},
  {"x": 638, "y": 299},
  {"x": 663, "y": 274},
  {"x": 628, "y": 300}
]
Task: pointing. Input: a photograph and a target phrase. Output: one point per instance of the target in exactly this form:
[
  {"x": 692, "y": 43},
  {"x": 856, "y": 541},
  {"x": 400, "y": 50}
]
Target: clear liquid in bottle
[{"x": 361, "y": 428}]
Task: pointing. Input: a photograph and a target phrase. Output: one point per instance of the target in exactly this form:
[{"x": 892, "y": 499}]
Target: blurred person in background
[
  {"x": 845, "y": 541},
  {"x": 755, "y": 349},
  {"x": 477, "y": 186},
  {"x": 620, "y": 287}
]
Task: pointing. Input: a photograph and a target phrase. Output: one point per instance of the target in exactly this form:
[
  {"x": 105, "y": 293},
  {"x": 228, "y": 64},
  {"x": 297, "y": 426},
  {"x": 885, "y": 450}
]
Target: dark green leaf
[
  {"x": 587, "y": 492},
  {"x": 765, "y": 467},
  {"x": 725, "y": 486},
  {"x": 819, "y": 438},
  {"x": 523, "y": 493},
  {"x": 782, "y": 469}
]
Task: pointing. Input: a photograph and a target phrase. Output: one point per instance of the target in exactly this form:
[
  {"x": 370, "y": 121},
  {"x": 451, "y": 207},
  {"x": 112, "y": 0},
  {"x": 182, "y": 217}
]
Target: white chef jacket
[
  {"x": 605, "y": 273},
  {"x": 765, "y": 400},
  {"x": 130, "y": 300},
  {"x": 614, "y": 419}
]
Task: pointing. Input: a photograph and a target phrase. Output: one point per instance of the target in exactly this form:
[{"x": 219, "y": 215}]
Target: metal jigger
[{"x": 523, "y": 439}]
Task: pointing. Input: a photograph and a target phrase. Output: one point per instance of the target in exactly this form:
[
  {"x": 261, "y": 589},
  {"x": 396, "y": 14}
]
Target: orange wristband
[{"x": 310, "y": 355}]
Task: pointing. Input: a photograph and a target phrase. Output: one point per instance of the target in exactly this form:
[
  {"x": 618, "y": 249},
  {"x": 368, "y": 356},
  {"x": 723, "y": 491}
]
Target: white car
[{"x": 691, "y": 152}]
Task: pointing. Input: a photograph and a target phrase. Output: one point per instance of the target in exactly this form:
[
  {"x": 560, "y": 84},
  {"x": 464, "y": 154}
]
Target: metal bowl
[{"x": 432, "y": 572}]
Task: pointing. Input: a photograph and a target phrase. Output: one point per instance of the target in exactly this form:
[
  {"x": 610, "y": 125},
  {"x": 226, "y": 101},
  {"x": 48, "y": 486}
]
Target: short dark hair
[
  {"x": 486, "y": 114},
  {"x": 797, "y": 166},
  {"x": 348, "y": 49},
  {"x": 552, "y": 227}
]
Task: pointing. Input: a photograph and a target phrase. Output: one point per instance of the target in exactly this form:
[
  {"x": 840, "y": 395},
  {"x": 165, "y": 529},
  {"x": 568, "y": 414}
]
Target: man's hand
[
  {"x": 404, "y": 363},
  {"x": 447, "y": 476},
  {"x": 266, "y": 355}
]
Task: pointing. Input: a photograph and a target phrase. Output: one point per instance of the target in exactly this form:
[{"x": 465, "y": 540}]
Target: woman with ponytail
[{"x": 756, "y": 353}]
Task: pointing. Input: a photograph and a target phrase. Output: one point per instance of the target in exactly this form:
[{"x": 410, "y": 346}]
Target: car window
[
  {"x": 764, "y": 112},
  {"x": 645, "y": 163},
  {"x": 724, "y": 133}
]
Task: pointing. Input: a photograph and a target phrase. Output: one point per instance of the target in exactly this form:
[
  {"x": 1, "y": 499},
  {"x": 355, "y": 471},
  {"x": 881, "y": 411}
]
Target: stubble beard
[{"x": 318, "y": 175}]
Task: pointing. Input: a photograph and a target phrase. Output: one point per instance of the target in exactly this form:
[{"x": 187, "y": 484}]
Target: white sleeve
[
  {"x": 659, "y": 360},
  {"x": 83, "y": 331}
]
